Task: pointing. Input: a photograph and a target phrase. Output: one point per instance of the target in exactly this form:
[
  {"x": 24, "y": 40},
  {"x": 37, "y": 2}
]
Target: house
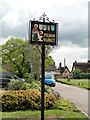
[
  {"x": 62, "y": 72},
  {"x": 57, "y": 73},
  {"x": 83, "y": 66}
]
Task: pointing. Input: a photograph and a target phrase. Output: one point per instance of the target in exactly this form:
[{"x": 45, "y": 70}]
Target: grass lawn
[
  {"x": 82, "y": 83},
  {"x": 62, "y": 109},
  {"x": 54, "y": 113}
]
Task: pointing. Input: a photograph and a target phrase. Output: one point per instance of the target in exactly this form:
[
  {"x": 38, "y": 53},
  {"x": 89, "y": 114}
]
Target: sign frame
[{"x": 31, "y": 23}]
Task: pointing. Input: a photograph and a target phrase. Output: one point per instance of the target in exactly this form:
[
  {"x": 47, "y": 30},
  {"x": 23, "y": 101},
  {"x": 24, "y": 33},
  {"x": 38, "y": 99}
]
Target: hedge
[
  {"x": 25, "y": 99},
  {"x": 85, "y": 75}
]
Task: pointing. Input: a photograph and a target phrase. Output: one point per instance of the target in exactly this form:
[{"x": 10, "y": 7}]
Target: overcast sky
[{"x": 72, "y": 16}]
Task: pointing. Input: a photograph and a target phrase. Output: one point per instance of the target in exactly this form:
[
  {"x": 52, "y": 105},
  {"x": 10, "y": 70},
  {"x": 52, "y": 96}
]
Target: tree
[
  {"x": 35, "y": 59},
  {"x": 22, "y": 58},
  {"x": 49, "y": 64},
  {"x": 15, "y": 56}
]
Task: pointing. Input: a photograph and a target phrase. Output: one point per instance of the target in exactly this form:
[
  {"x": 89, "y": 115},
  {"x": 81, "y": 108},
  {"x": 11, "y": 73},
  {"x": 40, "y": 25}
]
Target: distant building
[
  {"x": 83, "y": 66},
  {"x": 62, "y": 72},
  {"x": 57, "y": 73}
]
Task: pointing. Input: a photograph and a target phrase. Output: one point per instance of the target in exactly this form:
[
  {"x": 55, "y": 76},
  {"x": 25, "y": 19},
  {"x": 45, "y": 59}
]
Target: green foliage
[
  {"x": 25, "y": 86},
  {"x": 30, "y": 78},
  {"x": 21, "y": 58},
  {"x": 25, "y": 99},
  {"x": 85, "y": 75},
  {"x": 36, "y": 86},
  {"x": 15, "y": 56},
  {"x": 88, "y": 70},
  {"x": 15, "y": 84},
  {"x": 49, "y": 63},
  {"x": 48, "y": 89},
  {"x": 20, "y": 85},
  {"x": 64, "y": 104},
  {"x": 76, "y": 73}
]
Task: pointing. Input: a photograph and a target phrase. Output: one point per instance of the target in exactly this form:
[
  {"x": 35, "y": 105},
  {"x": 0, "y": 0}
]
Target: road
[{"x": 75, "y": 95}]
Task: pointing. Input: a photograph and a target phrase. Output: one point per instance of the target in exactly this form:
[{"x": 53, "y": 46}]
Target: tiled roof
[{"x": 83, "y": 66}]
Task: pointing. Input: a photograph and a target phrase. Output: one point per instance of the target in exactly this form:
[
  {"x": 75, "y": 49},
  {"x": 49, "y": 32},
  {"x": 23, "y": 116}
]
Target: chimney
[
  {"x": 88, "y": 61},
  {"x": 64, "y": 62},
  {"x": 60, "y": 65}
]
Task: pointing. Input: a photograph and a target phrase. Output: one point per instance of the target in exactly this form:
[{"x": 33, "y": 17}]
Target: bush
[
  {"x": 30, "y": 78},
  {"x": 56, "y": 94},
  {"x": 35, "y": 85},
  {"x": 25, "y": 99},
  {"x": 15, "y": 85},
  {"x": 50, "y": 100},
  {"x": 64, "y": 104},
  {"x": 48, "y": 89},
  {"x": 25, "y": 86},
  {"x": 19, "y": 85}
]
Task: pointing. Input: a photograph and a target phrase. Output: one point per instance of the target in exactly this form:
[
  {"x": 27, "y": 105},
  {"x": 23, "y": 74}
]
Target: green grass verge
[
  {"x": 54, "y": 113},
  {"x": 82, "y": 83},
  {"x": 62, "y": 109}
]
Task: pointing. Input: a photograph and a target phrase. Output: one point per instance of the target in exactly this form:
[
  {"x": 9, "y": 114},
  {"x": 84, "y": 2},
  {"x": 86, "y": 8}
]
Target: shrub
[
  {"x": 56, "y": 94},
  {"x": 30, "y": 78},
  {"x": 48, "y": 89},
  {"x": 25, "y": 99},
  {"x": 64, "y": 104},
  {"x": 19, "y": 85},
  {"x": 36, "y": 86},
  {"x": 49, "y": 101},
  {"x": 25, "y": 86},
  {"x": 15, "y": 84}
]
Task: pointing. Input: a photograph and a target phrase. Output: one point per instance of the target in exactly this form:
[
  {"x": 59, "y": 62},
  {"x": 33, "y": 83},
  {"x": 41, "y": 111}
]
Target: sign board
[{"x": 43, "y": 33}]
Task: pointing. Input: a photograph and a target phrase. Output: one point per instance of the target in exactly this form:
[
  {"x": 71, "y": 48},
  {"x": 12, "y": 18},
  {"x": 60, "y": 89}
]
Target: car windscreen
[{"x": 48, "y": 76}]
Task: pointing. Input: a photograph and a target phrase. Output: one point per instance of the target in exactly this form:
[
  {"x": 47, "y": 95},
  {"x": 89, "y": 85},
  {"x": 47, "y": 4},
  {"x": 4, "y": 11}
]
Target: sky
[{"x": 71, "y": 15}]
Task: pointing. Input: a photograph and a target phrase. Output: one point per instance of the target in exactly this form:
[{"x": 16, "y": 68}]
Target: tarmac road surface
[{"x": 77, "y": 96}]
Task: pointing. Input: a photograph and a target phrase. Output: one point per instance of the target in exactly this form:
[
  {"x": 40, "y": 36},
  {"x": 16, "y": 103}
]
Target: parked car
[
  {"x": 6, "y": 77},
  {"x": 49, "y": 79}
]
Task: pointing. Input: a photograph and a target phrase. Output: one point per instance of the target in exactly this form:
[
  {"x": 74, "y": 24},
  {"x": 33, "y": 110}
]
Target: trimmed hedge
[
  {"x": 85, "y": 75},
  {"x": 28, "y": 99}
]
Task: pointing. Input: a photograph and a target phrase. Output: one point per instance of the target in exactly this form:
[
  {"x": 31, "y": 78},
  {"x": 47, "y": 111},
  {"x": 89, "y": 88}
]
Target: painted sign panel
[{"x": 43, "y": 33}]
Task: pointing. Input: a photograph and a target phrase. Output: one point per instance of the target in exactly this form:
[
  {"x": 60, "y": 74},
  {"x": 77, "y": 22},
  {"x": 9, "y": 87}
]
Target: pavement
[{"x": 77, "y": 96}]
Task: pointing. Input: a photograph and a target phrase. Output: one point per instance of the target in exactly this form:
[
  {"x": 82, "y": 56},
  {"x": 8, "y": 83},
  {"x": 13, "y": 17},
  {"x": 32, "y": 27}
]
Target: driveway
[{"x": 75, "y": 95}]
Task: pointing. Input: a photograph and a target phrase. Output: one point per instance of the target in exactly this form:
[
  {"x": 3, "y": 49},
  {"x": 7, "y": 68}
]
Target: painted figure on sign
[{"x": 36, "y": 34}]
